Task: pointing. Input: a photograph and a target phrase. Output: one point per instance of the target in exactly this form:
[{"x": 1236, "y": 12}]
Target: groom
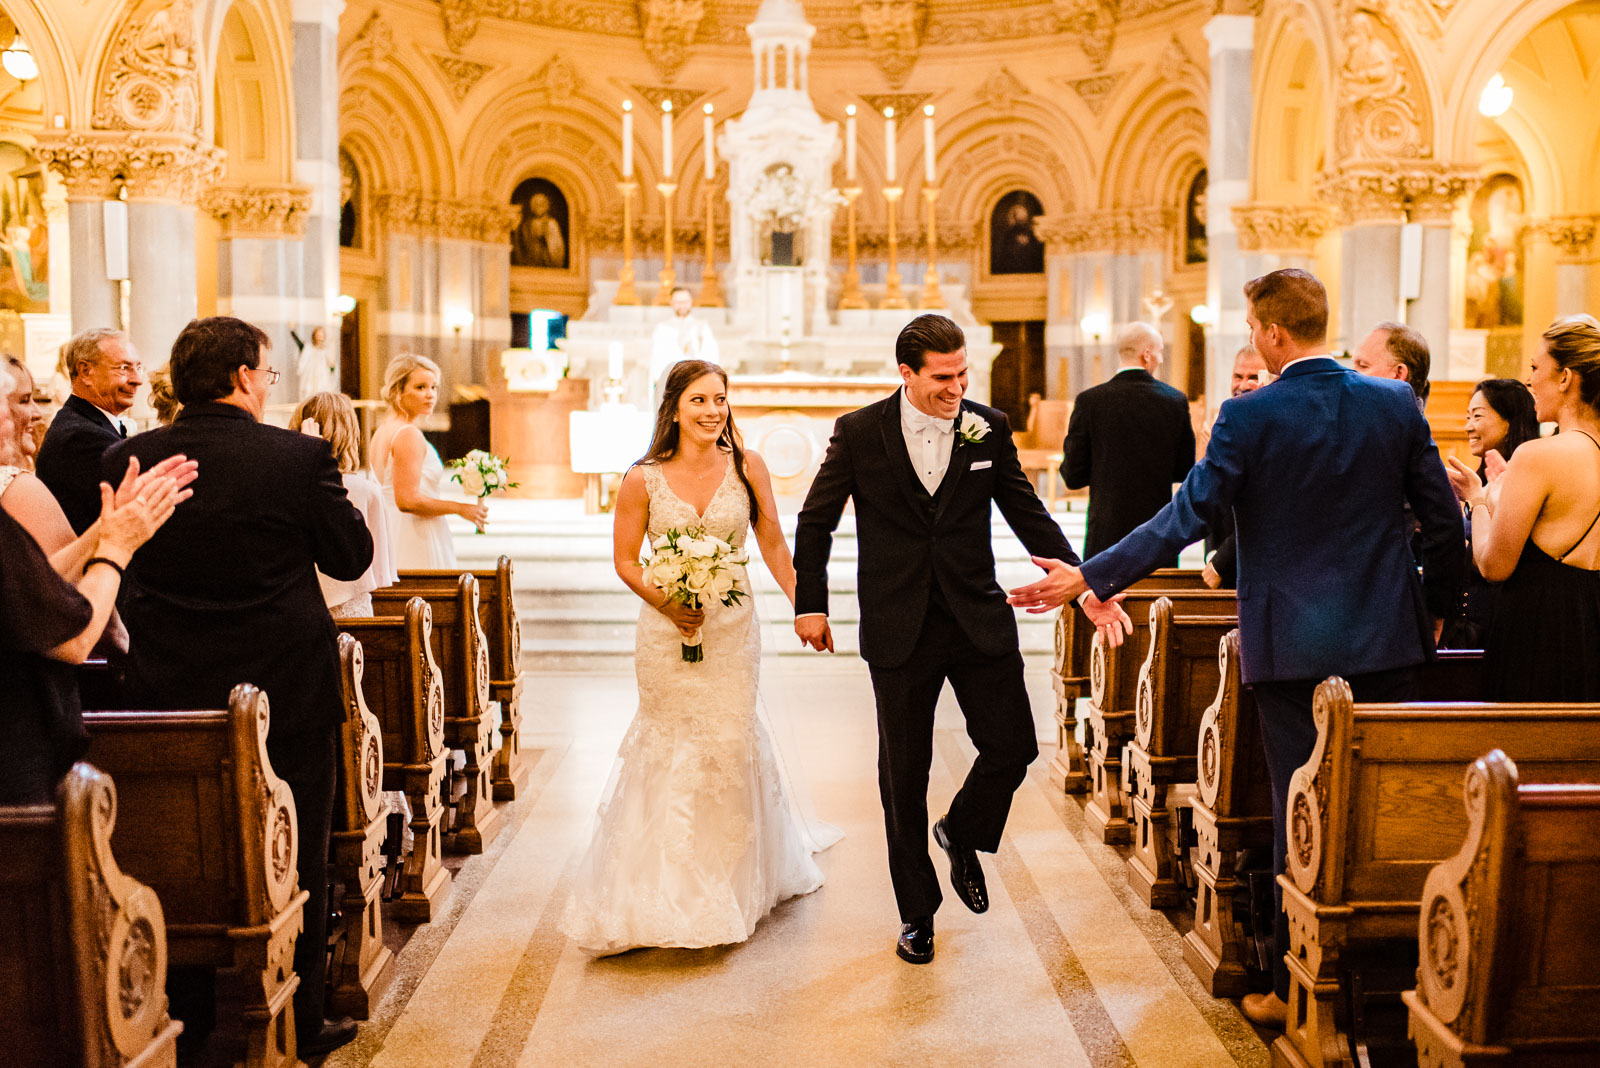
[{"x": 923, "y": 467}]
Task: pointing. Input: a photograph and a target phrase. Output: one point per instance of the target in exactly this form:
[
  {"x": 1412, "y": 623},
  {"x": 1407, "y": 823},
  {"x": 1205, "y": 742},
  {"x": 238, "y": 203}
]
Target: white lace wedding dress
[{"x": 696, "y": 842}]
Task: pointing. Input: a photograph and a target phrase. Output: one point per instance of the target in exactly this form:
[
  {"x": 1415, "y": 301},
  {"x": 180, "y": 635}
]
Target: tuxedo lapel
[
  {"x": 894, "y": 447},
  {"x": 960, "y": 460}
]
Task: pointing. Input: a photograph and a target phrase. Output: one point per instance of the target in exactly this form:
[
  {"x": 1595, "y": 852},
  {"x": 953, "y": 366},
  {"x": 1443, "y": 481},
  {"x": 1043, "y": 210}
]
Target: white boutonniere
[{"x": 972, "y": 429}]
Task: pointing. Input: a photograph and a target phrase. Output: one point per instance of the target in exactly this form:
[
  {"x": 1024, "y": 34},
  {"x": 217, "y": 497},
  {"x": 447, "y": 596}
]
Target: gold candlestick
[
  {"x": 625, "y": 290},
  {"x": 850, "y": 296},
  {"x": 931, "y": 297},
  {"x": 710, "y": 291},
  {"x": 669, "y": 277},
  {"x": 892, "y": 296}
]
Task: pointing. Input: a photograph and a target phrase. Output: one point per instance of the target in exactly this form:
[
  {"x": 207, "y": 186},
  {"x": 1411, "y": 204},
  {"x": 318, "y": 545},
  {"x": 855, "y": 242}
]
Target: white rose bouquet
[
  {"x": 692, "y": 568},
  {"x": 481, "y": 473}
]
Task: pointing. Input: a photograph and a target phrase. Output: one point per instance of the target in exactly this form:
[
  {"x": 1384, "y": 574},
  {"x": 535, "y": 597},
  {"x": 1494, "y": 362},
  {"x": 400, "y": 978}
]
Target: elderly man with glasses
[{"x": 106, "y": 375}]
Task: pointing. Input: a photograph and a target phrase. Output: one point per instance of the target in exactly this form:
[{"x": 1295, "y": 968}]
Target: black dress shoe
[
  {"x": 916, "y": 942},
  {"x": 966, "y": 874},
  {"x": 334, "y": 1033}
]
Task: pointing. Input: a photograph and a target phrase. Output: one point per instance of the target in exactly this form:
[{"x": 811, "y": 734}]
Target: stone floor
[{"x": 1066, "y": 967}]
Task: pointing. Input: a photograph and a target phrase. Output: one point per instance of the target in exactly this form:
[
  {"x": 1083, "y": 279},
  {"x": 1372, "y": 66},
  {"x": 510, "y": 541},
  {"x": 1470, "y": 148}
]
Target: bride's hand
[{"x": 686, "y": 619}]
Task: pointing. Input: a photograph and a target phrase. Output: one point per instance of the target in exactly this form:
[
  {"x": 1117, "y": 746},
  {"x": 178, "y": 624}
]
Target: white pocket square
[{"x": 981, "y": 464}]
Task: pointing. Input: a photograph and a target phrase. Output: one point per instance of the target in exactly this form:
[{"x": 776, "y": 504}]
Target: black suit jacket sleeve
[
  {"x": 1183, "y": 459},
  {"x": 819, "y": 518},
  {"x": 341, "y": 542},
  {"x": 1075, "y": 460},
  {"x": 1438, "y": 516},
  {"x": 1027, "y": 517}
]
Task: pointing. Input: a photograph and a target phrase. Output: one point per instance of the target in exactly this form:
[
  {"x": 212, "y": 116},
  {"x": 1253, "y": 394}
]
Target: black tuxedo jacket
[
  {"x": 1129, "y": 440},
  {"x": 909, "y": 539},
  {"x": 226, "y": 592},
  {"x": 69, "y": 460}
]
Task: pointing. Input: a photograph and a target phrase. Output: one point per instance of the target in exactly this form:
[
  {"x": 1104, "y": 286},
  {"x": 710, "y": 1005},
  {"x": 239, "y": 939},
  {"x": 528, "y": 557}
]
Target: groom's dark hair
[{"x": 925, "y": 334}]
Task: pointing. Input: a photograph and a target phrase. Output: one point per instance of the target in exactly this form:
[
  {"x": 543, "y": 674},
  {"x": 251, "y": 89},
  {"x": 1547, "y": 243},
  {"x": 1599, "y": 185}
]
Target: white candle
[
  {"x": 666, "y": 139},
  {"x": 850, "y": 144},
  {"x": 614, "y": 364},
  {"x": 929, "y": 168},
  {"x": 711, "y": 152},
  {"x": 627, "y": 139},
  {"x": 888, "y": 146}
]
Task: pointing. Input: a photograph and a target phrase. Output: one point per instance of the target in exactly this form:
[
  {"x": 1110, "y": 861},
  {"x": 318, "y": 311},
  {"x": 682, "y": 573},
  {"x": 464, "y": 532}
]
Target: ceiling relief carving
[
  {"x": 461, "y": 19},
  {"x": 461, "y": 74},
  {"x": 669, "y": 30},
  {"x": 1001, "y": 90},
  {"x": 1095, "y": 91},
  {"x": 903, "y": 103},
  {"x": 893, "y": 31},
  {"x": 1094, "y": 22},
  {"x": 681, "y": 98},
  {"x": 151, "y": 83},
  {"x": 558, "y": 79},
  {"x": 1378, "y": 115},
  {"x": 374, "y": 43}
]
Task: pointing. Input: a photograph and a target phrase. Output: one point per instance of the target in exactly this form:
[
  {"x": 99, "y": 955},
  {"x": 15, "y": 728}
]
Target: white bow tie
[{"x": 920, "y": 421}]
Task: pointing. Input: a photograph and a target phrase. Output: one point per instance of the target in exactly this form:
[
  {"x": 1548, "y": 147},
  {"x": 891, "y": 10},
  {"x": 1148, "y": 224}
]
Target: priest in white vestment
[{"x": 683, "y": 337}]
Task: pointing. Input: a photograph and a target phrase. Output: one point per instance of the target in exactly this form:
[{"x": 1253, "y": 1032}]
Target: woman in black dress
[{"x": 1536, "y": 528}]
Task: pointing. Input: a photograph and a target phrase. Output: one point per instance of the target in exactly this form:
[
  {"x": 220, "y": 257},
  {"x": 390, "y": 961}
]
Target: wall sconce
[
  {"x": 1201, "y": 315},
  {"x": 1096, "y": 324},
  {"x": 458, "y": 319},
  {"x": 19, "y": 62},
  {"x": 343, "y": 304}
]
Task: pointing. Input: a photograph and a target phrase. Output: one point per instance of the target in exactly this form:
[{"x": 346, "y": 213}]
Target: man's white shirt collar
[
  {"x": 115, "y": 421},
  {"x": 917, "y": 419}
]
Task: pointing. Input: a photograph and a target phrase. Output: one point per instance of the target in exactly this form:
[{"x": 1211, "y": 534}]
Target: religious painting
[
  {"x": 1195, "y": 247},
  {"x": 24, "y": 232},
  {"x": 540, "y": 238},
  {"x": 1013, "y": 246},
  {"x": 349, "y": 202},
  {"x": 1494, "y": 255}
]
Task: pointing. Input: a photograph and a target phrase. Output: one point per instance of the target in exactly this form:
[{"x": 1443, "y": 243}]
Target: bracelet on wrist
[{"x": 87, "y": 564}]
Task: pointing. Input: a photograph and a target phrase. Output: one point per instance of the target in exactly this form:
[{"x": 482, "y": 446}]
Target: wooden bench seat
[
  {"x": 1177, "y": 682},
  {"x": 1370, "y": 814},
  {"x": 1509, "y": 932},
  {"x": 208, "y": 825},
  {"x": 497, "y": 615},
  {"x": 362, "y": 964},
  {"x": 1113, "y": 701},
  {"x": 83, "y": 954},
  {"x": 1069, "y": 677},
  {"x": 404, "y": 691},
  {"x": 462, "y": 653}
]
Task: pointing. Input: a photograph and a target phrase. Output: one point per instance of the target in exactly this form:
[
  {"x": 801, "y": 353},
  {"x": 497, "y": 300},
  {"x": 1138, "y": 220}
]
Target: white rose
[
  {"x": 471, "y": 481},
  {"x": 721, "y": 584},
  {"x": 699, "y": 582},
  {"x": 974, "y": 427}
]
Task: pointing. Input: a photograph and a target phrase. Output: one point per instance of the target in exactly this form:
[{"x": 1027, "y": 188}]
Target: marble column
[
  {"x": 1232, "y": 40},
  {"x": 1372, "y": 206},
  {"x": 259, "y": 265},
  {"x": 1573, "y": 238},
  {"x": 60, "y": 231},
  {"x": 161, "y": 275},
  {"x": 316, "y": 162},
  {"x": 87, "y": 166},
  {"x": 1432, "y": 199}
]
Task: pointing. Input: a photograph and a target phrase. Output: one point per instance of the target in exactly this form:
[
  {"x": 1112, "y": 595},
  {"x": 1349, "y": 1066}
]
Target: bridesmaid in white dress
[
  {"x": 410, "y": 471},
  {"x": 695, "y": 842}
]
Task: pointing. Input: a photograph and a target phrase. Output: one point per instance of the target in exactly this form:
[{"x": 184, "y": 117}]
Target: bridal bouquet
[
  {"x": 480, "y": 474},
  {"x": 692, "y": 568}
]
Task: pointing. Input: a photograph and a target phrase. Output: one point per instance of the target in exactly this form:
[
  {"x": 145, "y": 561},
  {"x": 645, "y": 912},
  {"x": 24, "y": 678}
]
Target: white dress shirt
[{"x": 929, "y": 441}]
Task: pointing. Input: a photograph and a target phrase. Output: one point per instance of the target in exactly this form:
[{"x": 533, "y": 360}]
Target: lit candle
[
  {"x": 711, "y": 152},
  {"x": 627, "y": 139},
  {"x": 850, "y": 144},
  {"x": 614, "y": 364},
  {"x": 888, "y": 145},
  {"x": 927, "y": 143},
  {"x": 666, "y": 139}
]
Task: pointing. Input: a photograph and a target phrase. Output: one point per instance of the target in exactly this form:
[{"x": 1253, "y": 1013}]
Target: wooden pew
[
  {"x": 83, "y": 954},
  {"x": 1069, "y": 676},
  {"x": 1113, "y": 700},
  {"x": 1178, "y": 680},
  {"x": 1507, "y": 929},
  {"x": 1370, "y": 814},
  {"x": 209, "y": 826},
  {"x": 497, "y": 615},
  {"x": 462, "y": 653},
  {"x": 1232, "y": 809},
  {"x": 403, "y": 689},
  {"x": 361, "y": 962}
]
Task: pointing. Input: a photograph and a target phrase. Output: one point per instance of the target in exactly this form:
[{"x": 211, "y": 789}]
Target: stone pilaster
[
  {"x": 1231, "y": 38},
  {"x": 1577, "y": 252},
  {"x": 316, "y": 159},
  {"x": 88, "y": 168},
  {"x": 259, "y": 266},
  {"x": 1372, "y": 208},
  {"x": 1432, "y": 196}
]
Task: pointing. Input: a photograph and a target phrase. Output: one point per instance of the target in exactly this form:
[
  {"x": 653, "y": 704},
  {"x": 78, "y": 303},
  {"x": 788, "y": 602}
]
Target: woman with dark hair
[
  {"x": 1536, "y": 530},
  {"x": 1500, "y": 417},
  {"x": 695, "y": 843}
]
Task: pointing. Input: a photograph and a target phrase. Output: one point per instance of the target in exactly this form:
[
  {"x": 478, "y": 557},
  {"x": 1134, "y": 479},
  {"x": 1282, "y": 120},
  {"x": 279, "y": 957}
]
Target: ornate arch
[
  {"x": 1165, "y": 123},
  {"x": 387, "y": 103},
  {"x": 1486, "y": 42},
  {"x": 37, "y": 22},
  {"x": 1293, "y": 95},
  {"x": 985, "y": 152},
  {"x": 251, "y": 75}
]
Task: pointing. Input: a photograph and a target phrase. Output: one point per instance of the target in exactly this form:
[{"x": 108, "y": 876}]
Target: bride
[{"x": 696, "y": 841}]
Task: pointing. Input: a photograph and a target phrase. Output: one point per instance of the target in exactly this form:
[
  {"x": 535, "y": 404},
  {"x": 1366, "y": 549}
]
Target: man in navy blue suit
[{"x": 1316, "y": 470}]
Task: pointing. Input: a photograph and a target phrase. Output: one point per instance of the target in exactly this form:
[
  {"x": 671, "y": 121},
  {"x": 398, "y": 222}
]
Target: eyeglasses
[
  {"x": 124, "y": 370},
  {"x": 269, "y": 371}
]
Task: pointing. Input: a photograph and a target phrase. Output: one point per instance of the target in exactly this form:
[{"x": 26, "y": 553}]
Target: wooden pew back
[
  {"x": 1075, "y": 634},
  {"x": 1508, "y": 929},
  {"x": 459, "y": 646},
  {"x": 84, "y": 954},
  {"x": 1114, "y": 671},
  {"x": 401, "y": 682},
  {"x": 1180, "y": 677}
]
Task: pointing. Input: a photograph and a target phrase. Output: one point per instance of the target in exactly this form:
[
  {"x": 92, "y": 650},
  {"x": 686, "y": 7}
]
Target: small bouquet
[
  {"x": 692, "y": 568},
  {"x": 480, "y": 474}
]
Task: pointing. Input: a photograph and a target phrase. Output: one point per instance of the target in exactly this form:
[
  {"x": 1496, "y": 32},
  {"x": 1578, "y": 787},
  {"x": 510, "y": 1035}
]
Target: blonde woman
[
  {"x": 410, "y": 471},
  {"x": 332, "y": 417}
]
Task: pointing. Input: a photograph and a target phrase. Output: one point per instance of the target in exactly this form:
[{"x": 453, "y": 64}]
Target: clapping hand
[
  {"x": 134, "y": 511},
  {"x": 1464, "y": 480},
  {"x": 1061, "y": 583},
  {"x": 180, "y": 469}
]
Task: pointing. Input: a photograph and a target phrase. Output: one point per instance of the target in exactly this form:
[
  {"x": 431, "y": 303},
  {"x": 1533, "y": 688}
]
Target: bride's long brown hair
[{"x": 664, "y": 442}]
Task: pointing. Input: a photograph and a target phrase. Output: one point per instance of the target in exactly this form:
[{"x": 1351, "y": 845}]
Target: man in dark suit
[
  {"x": 925, "y": 467},
  {"x": 227, "y": 592},
  {"x": 1314, "y": 469},
  {"x": 1129, "y": 440},
  {"x": 106, "y": 375}
]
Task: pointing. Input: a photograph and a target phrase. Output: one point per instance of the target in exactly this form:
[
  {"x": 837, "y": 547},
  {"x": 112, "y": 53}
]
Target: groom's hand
[
  {"x": 1108, "y": 618},
  {"x": 815, "y": 632},
  {"x": 1061, "y": 583}
]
